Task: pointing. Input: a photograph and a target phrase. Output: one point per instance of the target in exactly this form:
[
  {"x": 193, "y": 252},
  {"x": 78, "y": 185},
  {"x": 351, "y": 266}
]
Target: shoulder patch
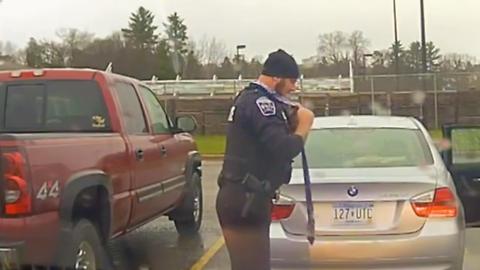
[{"x": 266, "y": 106}]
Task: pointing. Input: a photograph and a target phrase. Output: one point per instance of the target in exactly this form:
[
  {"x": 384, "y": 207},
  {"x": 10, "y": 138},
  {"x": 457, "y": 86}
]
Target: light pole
[
  {"x": 364, "y": 56},
  {"x": 372, "y": 86},
  {"x": 239, "y": 47},
  {"x": 237, "y": 59}
]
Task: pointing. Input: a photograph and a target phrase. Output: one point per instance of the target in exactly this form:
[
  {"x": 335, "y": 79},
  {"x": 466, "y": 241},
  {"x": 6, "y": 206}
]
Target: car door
[
  {"x": 144, "y": 156},
  {"x": 463, "y": 161},
  {"x": 169, "y": 145}
]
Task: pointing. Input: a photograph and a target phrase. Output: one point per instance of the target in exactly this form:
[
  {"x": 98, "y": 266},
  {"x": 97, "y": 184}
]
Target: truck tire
[
  {"x": 86, "y": 250},
  {"x": 188, "y": 219}
]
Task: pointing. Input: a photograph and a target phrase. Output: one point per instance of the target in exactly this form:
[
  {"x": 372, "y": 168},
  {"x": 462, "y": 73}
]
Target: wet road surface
[{"x": 157, "y": 245}]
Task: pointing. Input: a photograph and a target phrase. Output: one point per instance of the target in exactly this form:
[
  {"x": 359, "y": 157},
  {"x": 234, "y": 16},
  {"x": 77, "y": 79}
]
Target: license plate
[{"x": 352, "y": 213}]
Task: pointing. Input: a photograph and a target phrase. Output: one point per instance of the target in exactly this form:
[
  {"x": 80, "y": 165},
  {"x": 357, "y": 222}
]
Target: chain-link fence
[
  {"x": 448, "y": 98},
  {"x": 417, "y": 82},
  {"x": 428, "y": 92},
  {"x": 434, "y": 109},
  {"x": 231, "y": 87},
  {"x": 367, "y": 83}
]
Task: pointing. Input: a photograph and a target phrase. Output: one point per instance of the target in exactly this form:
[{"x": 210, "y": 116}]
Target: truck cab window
[
  {"x": 132, "y": 113},
  {"x": 160, "y": 121}
]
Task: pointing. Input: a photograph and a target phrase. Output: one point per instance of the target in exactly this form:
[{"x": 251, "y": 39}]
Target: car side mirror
[{"x": 186, "y": 123}]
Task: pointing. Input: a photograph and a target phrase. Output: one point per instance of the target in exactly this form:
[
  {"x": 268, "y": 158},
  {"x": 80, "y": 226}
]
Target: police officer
[{"x": 262, "y": 141}]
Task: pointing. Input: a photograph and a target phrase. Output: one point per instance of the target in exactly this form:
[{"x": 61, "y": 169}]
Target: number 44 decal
[{"x": 49, "y": 191}]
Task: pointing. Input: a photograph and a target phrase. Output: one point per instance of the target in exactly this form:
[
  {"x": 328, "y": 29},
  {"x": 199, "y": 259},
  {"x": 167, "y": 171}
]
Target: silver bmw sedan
[{"x": 382, "y": 199}]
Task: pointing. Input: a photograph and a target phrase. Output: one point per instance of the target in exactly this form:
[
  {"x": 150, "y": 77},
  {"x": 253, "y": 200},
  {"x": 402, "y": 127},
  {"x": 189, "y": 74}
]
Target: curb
[{"x": 212, "y": 157}]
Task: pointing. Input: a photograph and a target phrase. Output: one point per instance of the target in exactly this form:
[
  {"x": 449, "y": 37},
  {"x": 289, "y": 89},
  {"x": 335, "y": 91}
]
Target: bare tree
[
  {"x": 457, "y": 62},
  {"x": 7, "y": 48},
  {"x": 73, "y": 40},
  {"x": 211, "y": 50},
  {"x": 54, "y": 54},
  {"x": 258, "y": 58},
  {"x": 380, "y": 62},
  {"x": 358, "y": 44},
  {"x": 333, "y": 47},
  {"x": 201, "y": 49},
  {"x": 19, "y": 56}
]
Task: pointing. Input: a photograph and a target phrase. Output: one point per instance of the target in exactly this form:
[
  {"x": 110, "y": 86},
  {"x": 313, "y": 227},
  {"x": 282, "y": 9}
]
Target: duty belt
[{"x": 254, "y": 187}]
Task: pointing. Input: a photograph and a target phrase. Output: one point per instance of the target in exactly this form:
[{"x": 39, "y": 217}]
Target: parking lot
[{"x": 158, "y": 246}]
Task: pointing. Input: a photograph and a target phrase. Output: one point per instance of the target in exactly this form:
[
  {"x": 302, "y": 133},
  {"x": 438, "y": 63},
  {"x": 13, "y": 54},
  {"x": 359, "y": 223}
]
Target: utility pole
[
  {"x": 424, "y": 45},
  {"x": 424, "y": 54},
  {"x": 396, "y": 34},
  {"x": 396, "y": 43}
]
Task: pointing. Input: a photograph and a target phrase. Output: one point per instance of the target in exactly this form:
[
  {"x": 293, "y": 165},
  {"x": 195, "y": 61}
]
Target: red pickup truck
[{"x": 87, "y": 156}]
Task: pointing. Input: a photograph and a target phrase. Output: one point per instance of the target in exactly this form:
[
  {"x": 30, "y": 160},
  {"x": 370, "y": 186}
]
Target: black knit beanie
[{"x": 281, "y": 64}]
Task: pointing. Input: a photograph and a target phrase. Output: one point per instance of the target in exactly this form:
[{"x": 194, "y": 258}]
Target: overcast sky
[{"x": 262, "y": 25}]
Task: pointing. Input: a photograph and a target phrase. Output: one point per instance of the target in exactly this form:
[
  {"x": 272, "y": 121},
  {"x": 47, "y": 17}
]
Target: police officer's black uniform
[{"x": 259, "y": 144}]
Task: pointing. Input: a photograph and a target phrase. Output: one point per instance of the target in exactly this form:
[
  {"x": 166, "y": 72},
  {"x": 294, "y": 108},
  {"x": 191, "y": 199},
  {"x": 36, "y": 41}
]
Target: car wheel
[{"x": 189, "y": 217}]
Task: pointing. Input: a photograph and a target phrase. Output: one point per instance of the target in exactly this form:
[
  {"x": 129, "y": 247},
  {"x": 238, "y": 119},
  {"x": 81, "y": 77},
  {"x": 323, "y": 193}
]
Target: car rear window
[
  {"x": 366, "y": 148},
  {"x": 53, "y": 106}
]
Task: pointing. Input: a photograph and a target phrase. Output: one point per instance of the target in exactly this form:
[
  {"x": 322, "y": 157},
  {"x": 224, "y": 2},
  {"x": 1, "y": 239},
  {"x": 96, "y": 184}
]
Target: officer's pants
[{"x": 247, "y": 239}]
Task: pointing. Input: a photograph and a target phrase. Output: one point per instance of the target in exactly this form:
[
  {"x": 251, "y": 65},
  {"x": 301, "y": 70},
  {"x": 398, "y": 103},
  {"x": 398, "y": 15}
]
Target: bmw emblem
[{"x": 352, "y": 191}]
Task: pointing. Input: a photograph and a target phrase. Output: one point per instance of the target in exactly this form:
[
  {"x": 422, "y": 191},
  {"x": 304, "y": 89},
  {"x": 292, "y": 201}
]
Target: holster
[
  {"x": 254, "y": 185},
  {"x": 255, "y": 189}
]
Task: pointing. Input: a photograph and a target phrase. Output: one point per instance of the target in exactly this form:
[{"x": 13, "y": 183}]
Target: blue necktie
[{"x": 308, "y": 199}]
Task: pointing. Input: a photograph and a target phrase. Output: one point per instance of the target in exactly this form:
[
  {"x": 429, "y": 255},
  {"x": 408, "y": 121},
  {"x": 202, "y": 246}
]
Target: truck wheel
[
  {"x": 189, "y": 217},
  {"x": 86, "y": 251}
]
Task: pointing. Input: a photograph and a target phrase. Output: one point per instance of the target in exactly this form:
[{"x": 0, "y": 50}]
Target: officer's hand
[
  {"x": 305, "y": 121},
  {"x": 305, "y": 115}
]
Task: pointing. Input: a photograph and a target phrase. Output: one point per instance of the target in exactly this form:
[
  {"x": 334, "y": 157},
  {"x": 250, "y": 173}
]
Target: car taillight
[
  {"x": 16, "y": 190},
  {"x": 282, "y": 208},
  {"x": 438, "y": 203},
  {"x": 281, "y": 211}
]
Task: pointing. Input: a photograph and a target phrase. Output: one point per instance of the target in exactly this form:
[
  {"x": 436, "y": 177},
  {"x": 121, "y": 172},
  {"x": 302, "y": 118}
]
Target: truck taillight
[
  {"x": 12, "y": 190},
  {"x": 439, "y": 203},
  {"x": 16, "y": 190}
]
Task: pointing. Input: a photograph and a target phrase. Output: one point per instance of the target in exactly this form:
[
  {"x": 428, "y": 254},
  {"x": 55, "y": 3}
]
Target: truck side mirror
[{"x": 186, "y": 123}]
